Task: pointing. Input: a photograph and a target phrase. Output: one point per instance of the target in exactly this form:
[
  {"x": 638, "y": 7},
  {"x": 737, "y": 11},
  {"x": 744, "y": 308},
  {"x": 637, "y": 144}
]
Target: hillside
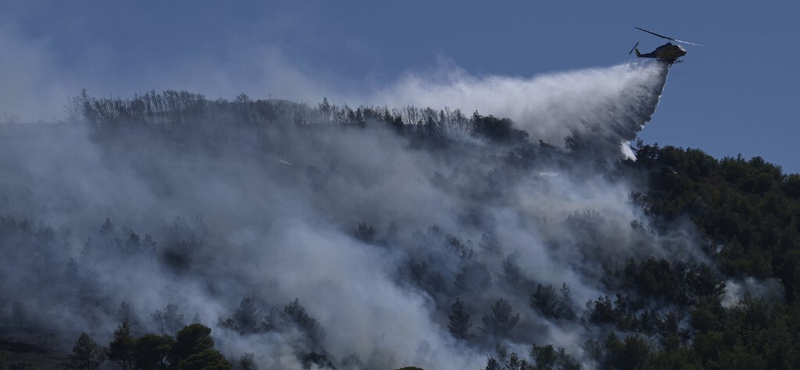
[{"x": 373, "y": 238}]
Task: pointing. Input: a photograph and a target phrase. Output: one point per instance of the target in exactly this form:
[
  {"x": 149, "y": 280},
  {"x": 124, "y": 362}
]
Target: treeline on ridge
[{"x": 181, "y": 112}]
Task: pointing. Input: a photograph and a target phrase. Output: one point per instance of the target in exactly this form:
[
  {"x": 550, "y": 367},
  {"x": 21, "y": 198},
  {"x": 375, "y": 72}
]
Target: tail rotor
[{"x": 633, "y": 48}]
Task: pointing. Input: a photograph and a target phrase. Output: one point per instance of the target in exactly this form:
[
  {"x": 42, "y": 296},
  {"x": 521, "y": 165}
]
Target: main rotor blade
[
  {"x": 653, "y": 33},
  {"x": 667, "y": 37},
  {"x": 686, "y": 42}
]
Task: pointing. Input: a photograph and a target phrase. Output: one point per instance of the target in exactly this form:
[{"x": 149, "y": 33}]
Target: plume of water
[{"x": 603, "y": 107}]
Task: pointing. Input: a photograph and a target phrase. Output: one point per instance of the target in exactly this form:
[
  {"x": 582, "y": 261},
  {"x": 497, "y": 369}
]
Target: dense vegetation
[{"x": 734, "y": 303}]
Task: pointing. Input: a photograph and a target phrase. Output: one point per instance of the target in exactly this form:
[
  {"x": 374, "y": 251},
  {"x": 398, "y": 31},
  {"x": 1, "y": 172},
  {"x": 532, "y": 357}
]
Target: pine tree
[
  {"x": 247, "y": 362},
  {"x": 492, "y": 364},
  {"x": 152, "y": 351},
  {"x": 86, "y": 355},
  {"x": 123, "y": 348},
  {"x": 194, "y": 350},
  {"x": 191, "y": 340},
  {"x": 502, "y": 319},
  {"x": 107, "y": 227},
  {"x": 247, "y": 316},
  {"x": 296, "y": 313},
  {"x": 459, "y": 320},
  {"x": 170, "y": 320},
  {"x": 210, "y": 359},
  {"x": 126, "y": 313}
]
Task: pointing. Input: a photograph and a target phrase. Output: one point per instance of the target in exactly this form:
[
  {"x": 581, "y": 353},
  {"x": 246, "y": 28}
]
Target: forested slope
[{"x": 322, "y": 236}]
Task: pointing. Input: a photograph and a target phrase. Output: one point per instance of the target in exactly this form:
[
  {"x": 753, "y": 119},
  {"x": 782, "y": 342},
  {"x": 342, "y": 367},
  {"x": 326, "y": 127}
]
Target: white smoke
[
  {"x": 770, "y": 290},
  {"x": 280, "y": 232}
]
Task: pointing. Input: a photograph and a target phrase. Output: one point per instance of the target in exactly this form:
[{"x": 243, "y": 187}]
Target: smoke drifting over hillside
[{"x": 375, "y": 229}]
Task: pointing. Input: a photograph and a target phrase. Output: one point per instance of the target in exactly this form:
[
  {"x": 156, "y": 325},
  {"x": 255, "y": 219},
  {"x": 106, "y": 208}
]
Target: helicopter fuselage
[{"x": 668, "y": 52}]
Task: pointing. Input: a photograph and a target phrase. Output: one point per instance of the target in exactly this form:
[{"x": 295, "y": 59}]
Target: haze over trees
[{"x": 178, "y": 232}]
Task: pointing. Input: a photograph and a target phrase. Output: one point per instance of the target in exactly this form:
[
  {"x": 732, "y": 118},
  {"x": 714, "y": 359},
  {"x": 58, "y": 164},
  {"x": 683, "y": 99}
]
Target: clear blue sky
[{"x": 738, "y": 93}]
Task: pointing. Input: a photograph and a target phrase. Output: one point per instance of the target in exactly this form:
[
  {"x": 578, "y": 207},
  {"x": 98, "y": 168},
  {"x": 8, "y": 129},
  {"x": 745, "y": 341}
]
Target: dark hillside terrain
[{"x": 179, "y": 232}]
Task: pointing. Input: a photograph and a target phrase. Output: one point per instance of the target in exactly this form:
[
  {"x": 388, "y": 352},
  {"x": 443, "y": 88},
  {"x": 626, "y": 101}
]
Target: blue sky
[{"x": 736, "y": 94}]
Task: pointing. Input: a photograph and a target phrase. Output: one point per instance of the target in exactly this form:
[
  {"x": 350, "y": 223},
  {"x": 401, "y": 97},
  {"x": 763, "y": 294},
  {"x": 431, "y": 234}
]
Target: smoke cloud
[{"x": 375, "y": 234}]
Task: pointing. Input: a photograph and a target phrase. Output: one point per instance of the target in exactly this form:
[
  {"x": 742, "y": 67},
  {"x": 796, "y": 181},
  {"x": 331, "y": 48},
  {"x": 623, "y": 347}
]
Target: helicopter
[{"x": 668, "y": 52}]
